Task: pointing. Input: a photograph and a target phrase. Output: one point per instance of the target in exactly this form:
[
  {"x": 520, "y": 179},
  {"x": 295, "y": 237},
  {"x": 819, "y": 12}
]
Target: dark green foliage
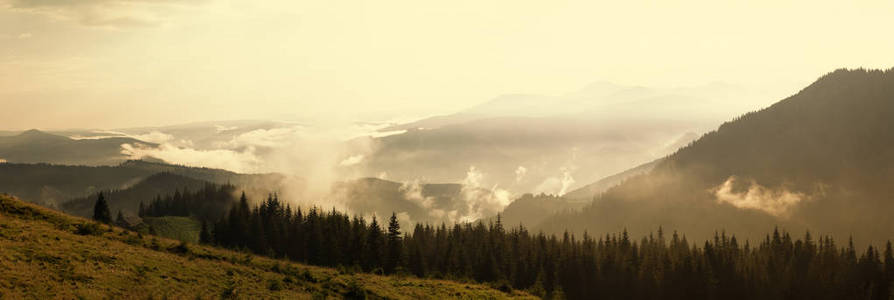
[
  {"x": 179, "y": 228},
  {"x": 207, "y": 203},
  {"x": 204, "y": 235},
  {"x": 374, "y": 248},
  {"x": 120, "y": 221},
  {"x": 181, "y": 248},
  {"x": 394, "y": 246},
  {"x": 606, "y": 267},
  {"x": 88, "y": 229},
  {"x": 274, "y": 285},
  {"x": 355, "y": 291},
  {"x": 101, "y": 210}
]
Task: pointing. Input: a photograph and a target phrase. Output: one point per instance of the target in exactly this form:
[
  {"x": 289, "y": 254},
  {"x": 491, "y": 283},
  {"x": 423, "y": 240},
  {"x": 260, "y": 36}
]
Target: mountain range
[{"x": 554, "y": 144}]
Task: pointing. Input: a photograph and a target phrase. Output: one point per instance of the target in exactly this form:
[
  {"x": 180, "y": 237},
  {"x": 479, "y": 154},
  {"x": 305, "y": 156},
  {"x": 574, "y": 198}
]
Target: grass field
[
  {"x": 178, "y": 228},
  {"x": 45, "y": 254}
]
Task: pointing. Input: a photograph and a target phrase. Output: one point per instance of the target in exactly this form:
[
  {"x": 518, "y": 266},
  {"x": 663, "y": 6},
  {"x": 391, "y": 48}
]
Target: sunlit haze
[{"x": 118, "y": 64}]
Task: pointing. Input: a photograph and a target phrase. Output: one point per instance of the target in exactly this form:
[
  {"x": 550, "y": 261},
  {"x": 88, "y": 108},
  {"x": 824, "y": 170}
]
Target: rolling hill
[
  {"x": 821, "y": 160},
  {"x": 46, "y": 254},
  {"x": 34, "y": 146},
  {"x": 53, "y": 185},
  {"x": 128, "y": 200}
]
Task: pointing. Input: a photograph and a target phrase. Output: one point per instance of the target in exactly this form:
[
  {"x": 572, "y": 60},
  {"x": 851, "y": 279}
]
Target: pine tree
[
  {"x": 101, "y": 210},
  {"x": 615, "y": 266},
  {"x": 395, "y": 245},
  {"x": 142, "y": 211},
  {"x": 888, "y": 272},
  {"x": 373, "y": 249},
  {"x": 120, "y": 221},
  {"x": 204, "y": 235}
]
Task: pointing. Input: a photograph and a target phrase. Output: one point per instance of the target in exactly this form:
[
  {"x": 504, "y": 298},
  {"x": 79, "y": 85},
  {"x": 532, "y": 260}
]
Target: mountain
[
  {"x": 556, "y": 142},
  {"x": 531, "y": 210},
  {"x": 53, "y": 185},
  {"x": 818, "y": 160},
  {"x": 86, "y": 261},
  {"x": 607, "y": 101},
  {"x": 587, "y": 192},
  {"x": 34, "y": 146},
  {"x": 524, "y": 154},
  {"x": 218, "y": 176}
]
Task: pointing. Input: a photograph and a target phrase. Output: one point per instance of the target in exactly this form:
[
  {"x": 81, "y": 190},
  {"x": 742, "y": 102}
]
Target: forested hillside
[
  {"x": 47, "y": 255},
  {"x": 614, "y": 266},
  {"x": 821, "y": 160},
  {"x": 128, "y": 200}
]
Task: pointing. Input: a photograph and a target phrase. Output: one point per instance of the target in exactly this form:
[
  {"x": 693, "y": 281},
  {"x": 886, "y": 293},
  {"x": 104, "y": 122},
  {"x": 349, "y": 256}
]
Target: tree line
[
  {"x": 208, "y": 203},
  {"x": 614, "y": 266}
]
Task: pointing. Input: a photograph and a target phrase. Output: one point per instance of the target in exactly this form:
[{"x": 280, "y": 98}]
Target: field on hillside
[
  {"x": 178, "y": 228},
  {"x": 45, "y": 254}
]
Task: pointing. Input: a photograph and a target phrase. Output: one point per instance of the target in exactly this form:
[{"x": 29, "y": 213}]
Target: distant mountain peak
[{"x": 35, "y": 132}]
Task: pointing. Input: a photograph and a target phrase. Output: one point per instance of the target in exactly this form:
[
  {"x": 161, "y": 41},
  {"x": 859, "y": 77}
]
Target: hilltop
[{"x": 46, "y": 254}]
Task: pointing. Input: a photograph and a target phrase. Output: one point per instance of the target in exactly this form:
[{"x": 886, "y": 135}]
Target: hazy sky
[{"x": 120, "y": 63}]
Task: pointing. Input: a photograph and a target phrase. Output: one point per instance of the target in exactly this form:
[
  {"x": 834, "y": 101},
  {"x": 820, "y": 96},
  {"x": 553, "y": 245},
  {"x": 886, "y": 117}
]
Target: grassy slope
[
  {"x": 178, "y": 228},
  {"x": 43, "y": 256}
]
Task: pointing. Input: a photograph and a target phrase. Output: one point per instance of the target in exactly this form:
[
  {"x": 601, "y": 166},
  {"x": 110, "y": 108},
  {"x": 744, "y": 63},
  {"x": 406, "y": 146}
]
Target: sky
[{"x": 128, "y": 63}]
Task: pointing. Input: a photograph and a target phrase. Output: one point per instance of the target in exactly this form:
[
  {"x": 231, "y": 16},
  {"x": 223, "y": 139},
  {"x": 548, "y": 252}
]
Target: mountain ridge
[{"x": 812, "y": 161}]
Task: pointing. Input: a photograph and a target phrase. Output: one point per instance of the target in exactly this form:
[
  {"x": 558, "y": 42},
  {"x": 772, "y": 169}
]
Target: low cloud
[
  {"x": 520, "y": 173},
  {"x": 556, "y": 185},
  {"x": 237, "y": 161},
  {"x": 567, "y": 181},
  {"x": 777, "y": 202},
  {"x": 351, "y": 160},
  {"x": 403, "y": 218},
  {"x": 311, "y": 158},
  {"x": 413, "y": 191},
  {"x": 271, "y": 138},
  {"x": 156, "y": 137},
  {"x": 561, "y": 183},
  {"x": 481, "y": 202},
  {"x": 222, "y": 128}
]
